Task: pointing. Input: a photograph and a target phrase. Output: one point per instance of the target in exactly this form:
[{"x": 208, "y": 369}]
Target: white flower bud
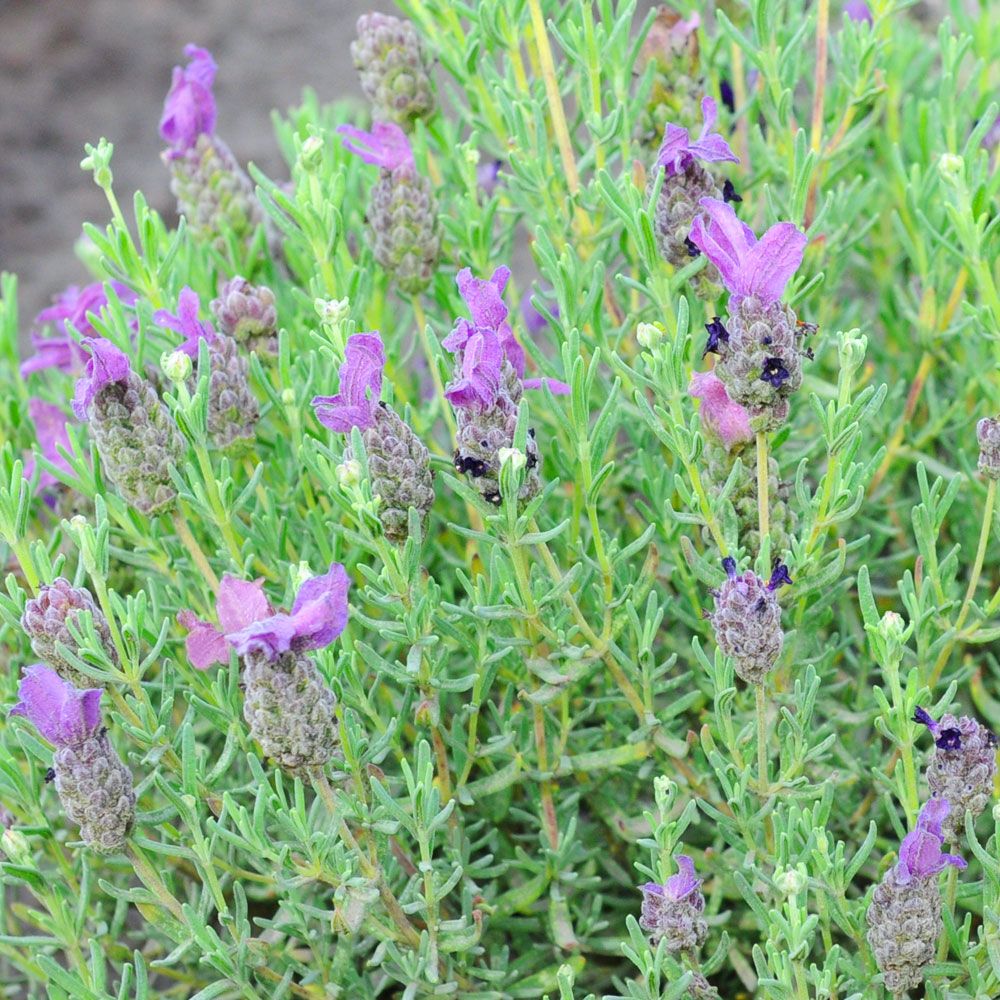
[
  {"x": 649, "y": 335},
  {"x": 288, "y": 396},
  {"x": 311, "y": 154},
  {"x": 951, "y": 166},
  {"x": 16, "y": 846},
  {"x": 176, "y": 365},
  {"x": 471, "y": 154},
  {"x": 790, "y": 881},
  {"x": 348, "y": 473},
  {"x": 515, "y": 456},
  {"x": 333, "y": 311}
]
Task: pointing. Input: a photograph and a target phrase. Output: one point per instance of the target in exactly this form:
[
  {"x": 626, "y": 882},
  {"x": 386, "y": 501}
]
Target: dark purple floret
[
  {"x": 692, "y": 250},
  {"x": 729, "y": 565},
  {"x": 717, "y": 334},
  {"x": 727, "y": 95},
  {"x": 775, "y": 372},
  {"x": 949, "y": 739},
  {"x": 729, "y": 192},
  {"x": 924, "y": 718},
  {"x": 779, "y": 577}
]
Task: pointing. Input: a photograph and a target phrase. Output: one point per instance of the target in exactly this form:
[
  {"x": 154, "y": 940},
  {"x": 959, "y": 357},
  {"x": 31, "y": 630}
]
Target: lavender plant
[{"x": 643, "y": 603}]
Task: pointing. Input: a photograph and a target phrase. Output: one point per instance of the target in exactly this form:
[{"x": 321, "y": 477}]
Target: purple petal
[
  {"x": 106, "y": 364},
  {"x": 727, "y": 420},
  {"x": 61, "y": 713},
  {"x": 858, "y": 10},
  {"x": 241, "y": 603},
  {"x": 205, "y": 644},
  {"x": 320, "y": 608},
  {"x": 556, "y": 387},
  {"x": 50, "y": 430},
  {"x": 713, "y": 149},
  {"x": 360, "y": 386},
  {"x": 386, "y": 146},
  {"x": 186, "y": 322},
  {"x": 483, "y": 297},
  {"x": 459, "y": 336},
  {"x": 482, "y": 366},
  {"x": 189, "y": 109},
  {"x": 272, "y": 636},
  {"x": 770, "y": 263},
  {"x": 920, "y": 853},
  {"x": 724, "y": 240},
  {"x": 685, "y": 882},
  {"x": 673, "y": 149}
]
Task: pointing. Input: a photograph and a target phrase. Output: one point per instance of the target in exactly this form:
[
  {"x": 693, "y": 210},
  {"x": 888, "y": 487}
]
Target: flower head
[
  {"x": 488, "y": 310},
  {"x": 858, "y": 10},
  {"x": 678, "y": 152},
  {"x": 106, "y": 364},
  {"x": 684, "y": 883},
  {"x": 748, "y": 266},
  {"x": 318, "y": 616},
  {"x": 386, "y": 146},
  {"x": 238, "y": 605},
  {"x": 185, "y": 322},
  {"x": 920, "y": 854},
  {"x": 63, "y": 714},
  {"x": 67, "y": 314},
  {"x": 189, "y": 109},
  {"x": 50, "y": 430},
  {"x": 729, "y": 421},
  {"x": 360, "y": 386},
  {"x": 478, "y": 384},
  {"x": 945, "y": 737}
]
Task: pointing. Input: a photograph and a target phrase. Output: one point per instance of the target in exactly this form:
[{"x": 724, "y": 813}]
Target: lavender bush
[{"x": 544, "y": 548}]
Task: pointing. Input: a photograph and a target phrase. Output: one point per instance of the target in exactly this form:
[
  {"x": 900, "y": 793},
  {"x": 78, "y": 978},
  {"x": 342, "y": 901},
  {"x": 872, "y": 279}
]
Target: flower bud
[
  {"x": 514, "y": 456},
  {"x": 176, "y": 365},
  {"x": 300, "y": 573},
  {"x": 649, "y": 335},
  {"x": 17, "y": 847},
  {"x": 333, "y": 312},
  {"x": 311, "y": 154},
  {"x": 348, "y": 473},
  {"x": 952, "y": 167},
  {"x": 790, "y": 882}
]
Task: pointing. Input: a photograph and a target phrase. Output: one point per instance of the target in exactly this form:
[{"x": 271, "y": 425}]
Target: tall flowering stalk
[
  {"x": 398, "y": 461},
  {"x": 94, "y": 786},
  {"x": 213, "y": 192},
  {"x": 402, "y": 210}
]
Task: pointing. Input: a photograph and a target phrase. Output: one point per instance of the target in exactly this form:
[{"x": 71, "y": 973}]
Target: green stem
[
  {"x": 194, "y": 550},
  {"x": 763, "y": 781},
  {"x": 763, "y": 501}
]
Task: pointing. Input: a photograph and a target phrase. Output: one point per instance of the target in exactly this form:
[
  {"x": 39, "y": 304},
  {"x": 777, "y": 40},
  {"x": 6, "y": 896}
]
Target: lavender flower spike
[
  {"x": 673, "y": 911},
  {"x": 189, "y": 109},
  {"x": 399, "y": 463},
  {"x": 678, "y": 152},
  {"x": 135, "y": 435},
  {"x": 386, "y": 146},
  {"x": 233, "y": 410},
  {"x": 748, "y": 266},
  {"x": 961, "y": 768},
  {"x": 94, "y": 786}
]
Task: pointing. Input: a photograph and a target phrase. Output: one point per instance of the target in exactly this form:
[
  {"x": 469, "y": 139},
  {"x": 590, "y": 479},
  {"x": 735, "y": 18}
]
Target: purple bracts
[
  {"x": 386, "y": 146},
  {"x": 50, "y": 430},
  {"x": 106, "y": 364},
  {"x": 673, "y": 912},
  {"x": 62, "y": 714},
  {"x": 920, "y": 854},
  {"x": 719, "y": 415},
  {"x": 189, "y": 109},
  {"x": 360, "y": 386},
  {"x": 748, "y": 266},
  {"x": 678, "y": 152}
]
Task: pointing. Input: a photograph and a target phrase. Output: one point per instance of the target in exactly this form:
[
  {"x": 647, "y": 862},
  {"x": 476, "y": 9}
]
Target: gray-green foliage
[{"x": 533, "y": 714}]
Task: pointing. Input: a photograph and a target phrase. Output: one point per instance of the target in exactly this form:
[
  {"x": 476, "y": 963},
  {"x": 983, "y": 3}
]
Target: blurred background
[{"x": 72, "y": 71}]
